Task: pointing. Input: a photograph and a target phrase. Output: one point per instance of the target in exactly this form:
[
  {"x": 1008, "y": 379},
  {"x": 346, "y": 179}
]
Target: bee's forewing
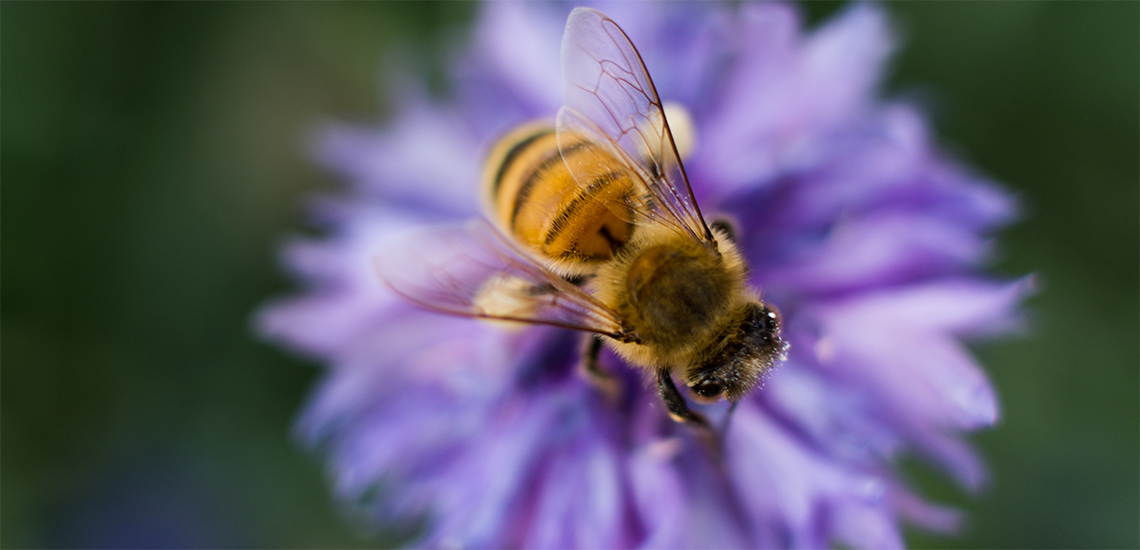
[
  {"x": 610, "y": 97},
  {"x": 473, "y": 271}
]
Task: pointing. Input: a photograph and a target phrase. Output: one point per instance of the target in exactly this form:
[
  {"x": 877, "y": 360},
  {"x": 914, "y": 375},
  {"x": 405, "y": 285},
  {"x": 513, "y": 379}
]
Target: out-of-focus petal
[
  {"x": 796, "y": 496},
  {"x": 788, "y": 95},
  {"x": 878, "y": 251},
  {"x": 424, "y": 160},
  {"x": 659, "y": 494},
  {"x": 514, "y": 43}
]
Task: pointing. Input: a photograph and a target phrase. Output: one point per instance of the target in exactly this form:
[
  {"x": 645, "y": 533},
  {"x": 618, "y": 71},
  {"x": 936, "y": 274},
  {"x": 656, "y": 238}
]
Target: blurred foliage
[{"x": 153, "y": 156}]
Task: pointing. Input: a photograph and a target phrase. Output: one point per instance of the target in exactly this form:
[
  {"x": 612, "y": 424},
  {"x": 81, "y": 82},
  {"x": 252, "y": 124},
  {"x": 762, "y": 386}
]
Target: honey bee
[{"x": 595, "y": 228}]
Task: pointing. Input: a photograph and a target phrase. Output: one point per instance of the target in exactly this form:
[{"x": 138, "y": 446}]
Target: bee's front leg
[
  {"x": 602, "y": 379},
  {"x": 679, "y": 410}
]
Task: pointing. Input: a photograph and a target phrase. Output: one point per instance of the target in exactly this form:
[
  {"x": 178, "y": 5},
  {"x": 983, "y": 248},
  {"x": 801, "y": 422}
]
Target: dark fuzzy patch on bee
[
  {"x": 675, "y": 293},
  {"x": 740, "y": 356}
]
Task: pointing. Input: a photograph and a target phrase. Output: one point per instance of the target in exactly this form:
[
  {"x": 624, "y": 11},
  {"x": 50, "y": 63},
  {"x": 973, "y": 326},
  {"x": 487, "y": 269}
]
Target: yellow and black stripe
[{"x": 533, "y": 196}]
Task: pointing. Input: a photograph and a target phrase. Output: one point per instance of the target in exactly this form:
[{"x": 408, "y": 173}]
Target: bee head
[{"x": 739, "y": 358}]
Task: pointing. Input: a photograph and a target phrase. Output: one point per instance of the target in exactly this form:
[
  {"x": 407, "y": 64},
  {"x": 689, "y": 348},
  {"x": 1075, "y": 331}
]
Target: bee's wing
[
  {"x": 611, "y": 100},
  {"x": 474, "y": 271}
]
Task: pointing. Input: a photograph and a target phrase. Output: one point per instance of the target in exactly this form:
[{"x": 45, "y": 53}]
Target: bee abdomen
[{"x": 534, "y": 197}]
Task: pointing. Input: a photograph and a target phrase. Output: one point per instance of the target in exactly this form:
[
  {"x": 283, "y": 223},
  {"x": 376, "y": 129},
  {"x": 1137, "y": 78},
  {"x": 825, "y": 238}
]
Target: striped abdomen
[{"x": 533, "y": 196}]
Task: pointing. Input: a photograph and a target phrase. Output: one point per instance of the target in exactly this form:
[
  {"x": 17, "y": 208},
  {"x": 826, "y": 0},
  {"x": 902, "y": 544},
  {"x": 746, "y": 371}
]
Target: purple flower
[{"x": 855, "y": 224}]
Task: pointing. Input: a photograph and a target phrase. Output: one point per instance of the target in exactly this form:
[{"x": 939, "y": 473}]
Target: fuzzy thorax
[{"x": 674, "y": 292}]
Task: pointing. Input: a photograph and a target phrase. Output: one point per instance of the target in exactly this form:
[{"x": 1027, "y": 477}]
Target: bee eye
[{"x": 708, "y": 388}]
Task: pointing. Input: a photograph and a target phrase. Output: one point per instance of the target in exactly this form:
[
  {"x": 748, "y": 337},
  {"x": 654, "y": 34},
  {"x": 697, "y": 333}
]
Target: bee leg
[
  {"x": 594, "y": 372},
  {"x": 680, "y": 411}
]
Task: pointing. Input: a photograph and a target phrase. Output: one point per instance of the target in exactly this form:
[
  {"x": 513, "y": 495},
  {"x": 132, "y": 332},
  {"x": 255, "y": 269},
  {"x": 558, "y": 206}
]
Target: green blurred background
[{"x": 152, "y": 156}]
